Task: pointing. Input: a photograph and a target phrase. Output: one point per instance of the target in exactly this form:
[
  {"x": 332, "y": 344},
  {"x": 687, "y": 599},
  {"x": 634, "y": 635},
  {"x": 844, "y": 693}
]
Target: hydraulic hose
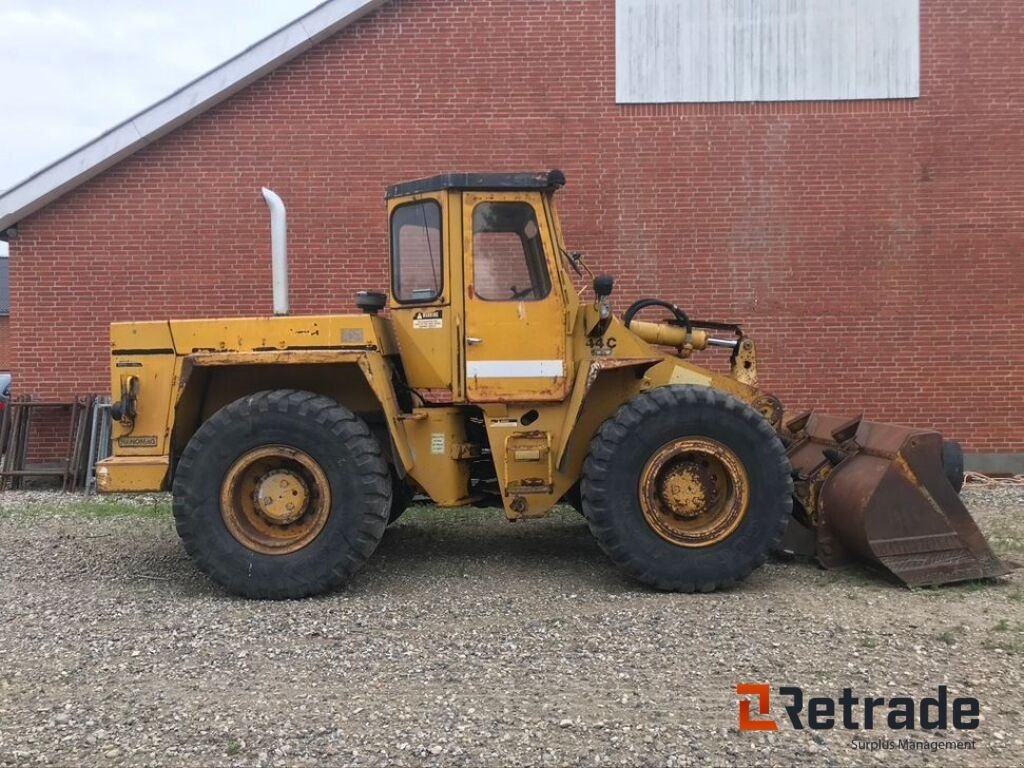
[{"x": 681, "y": 318}]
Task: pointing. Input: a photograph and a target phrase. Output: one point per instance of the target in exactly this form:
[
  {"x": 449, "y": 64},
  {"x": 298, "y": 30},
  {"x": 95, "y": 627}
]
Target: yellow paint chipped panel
[
  {"x": 150, "y": 337},
  {"x": 147, "y": 434},
  {"x": 277, "y": 357},
  {"x": 514, "y": 348},
  {"x": 425, "y": 336},
  {"x": 672, "y": 370},
  {"x": 437, "y": 439},
  {"x": 132, "y": 474},
  {"x": 256, "y": 334},
  {"x": 688, "y": 375}
]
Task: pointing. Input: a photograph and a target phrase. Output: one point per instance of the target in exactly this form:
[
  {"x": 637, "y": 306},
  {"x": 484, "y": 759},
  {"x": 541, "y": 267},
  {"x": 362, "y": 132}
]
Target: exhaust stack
[{"x": 279, "y": 250}]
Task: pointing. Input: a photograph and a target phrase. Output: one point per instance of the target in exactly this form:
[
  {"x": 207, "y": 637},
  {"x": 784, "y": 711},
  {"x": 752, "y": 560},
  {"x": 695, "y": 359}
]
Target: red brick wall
[
  {"x": 5, "y": 343},
  {"x": 875, "y": 249}
]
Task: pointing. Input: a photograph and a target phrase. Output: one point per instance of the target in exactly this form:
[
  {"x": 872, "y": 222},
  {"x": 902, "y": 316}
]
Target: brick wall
[
  {"x": 875, "y": 249},
  {"x": 5, "y": 343}
]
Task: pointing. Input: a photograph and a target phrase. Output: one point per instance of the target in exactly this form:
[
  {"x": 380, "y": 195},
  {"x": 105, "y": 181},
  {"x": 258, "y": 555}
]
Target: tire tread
[
  {"x": 605, "y": 451},
  {"x": 373, "y": 480}
]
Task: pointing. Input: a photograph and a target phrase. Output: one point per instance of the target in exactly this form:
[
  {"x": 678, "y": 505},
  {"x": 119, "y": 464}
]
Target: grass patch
[
  {"x": 96, "y": 508},
  {"x": 1007, "y": 545},
  {"x": 959, "y": 590},
  {"x": 949, "y": 637},
  {"x": 1005, "y": 637},
  {"x": 1009, "y": 644},
  {"x": 1006, "y": 536}
]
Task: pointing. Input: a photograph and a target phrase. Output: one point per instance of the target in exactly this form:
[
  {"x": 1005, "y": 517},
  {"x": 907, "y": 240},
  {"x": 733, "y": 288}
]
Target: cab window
[
  {"x": 416, "y": 267},
  {"x": 508, "y": 255}
]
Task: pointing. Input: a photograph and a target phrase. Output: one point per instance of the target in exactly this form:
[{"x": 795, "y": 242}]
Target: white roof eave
[{"x": 181, "y": 106}]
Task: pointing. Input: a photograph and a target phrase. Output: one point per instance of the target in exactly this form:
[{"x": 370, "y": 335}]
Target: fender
[
  {"x": 207, "y": 381},
  {"x": 328, "y": 372}
]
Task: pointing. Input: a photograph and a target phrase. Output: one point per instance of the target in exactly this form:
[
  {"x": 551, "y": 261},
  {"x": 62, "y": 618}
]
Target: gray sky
[{"x": 72, "y": 69}]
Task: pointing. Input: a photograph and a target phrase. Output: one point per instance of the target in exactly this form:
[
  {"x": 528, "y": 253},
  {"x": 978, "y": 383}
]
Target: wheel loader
[{"x": 484, "y": 377}]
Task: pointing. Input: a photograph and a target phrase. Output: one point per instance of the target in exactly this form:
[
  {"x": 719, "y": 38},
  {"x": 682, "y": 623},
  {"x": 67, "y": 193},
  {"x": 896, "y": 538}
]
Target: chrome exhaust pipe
[{"x": 278, "y": 249}]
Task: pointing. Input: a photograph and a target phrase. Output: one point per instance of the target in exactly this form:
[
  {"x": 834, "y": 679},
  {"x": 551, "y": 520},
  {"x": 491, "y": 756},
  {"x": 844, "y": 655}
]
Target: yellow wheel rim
[
  {"x": 694, "y": 492},
  {"x": 275, "y": 500}
]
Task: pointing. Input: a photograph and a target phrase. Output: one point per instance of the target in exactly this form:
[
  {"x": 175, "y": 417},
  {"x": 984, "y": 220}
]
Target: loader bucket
[{"x": 879, "y": 493}]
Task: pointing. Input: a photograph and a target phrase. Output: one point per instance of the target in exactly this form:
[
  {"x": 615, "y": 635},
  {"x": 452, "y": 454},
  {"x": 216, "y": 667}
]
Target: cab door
[{"x": 515, "y": 340}]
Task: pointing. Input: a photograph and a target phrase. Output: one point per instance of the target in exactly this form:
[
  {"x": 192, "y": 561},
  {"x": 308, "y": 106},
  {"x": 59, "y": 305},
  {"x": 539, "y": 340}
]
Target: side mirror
[
  {"x": 370, "y": 302},
  {"x": 603, "y": 286}
]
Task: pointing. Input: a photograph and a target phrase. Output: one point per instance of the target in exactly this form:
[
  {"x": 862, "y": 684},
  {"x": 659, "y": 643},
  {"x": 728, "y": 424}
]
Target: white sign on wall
[{"x": 766, "y": 50}]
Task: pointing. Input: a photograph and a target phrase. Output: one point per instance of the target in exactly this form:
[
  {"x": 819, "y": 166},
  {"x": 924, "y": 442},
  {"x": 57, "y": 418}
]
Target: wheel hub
[
  {"x": 685, "y": 492},
  {"x": 694, "y": 492},
  {"x": 275, "y": 499},
  {"x": 282, "y": 496}
]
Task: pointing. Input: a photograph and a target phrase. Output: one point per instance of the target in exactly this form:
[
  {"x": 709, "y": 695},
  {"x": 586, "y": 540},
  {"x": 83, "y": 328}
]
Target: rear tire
[
  {"x": 694, "y": 550},
  {"x": 241, "y": 536}
]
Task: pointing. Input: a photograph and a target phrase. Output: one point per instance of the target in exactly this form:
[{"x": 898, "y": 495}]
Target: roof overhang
[
  {"x": 547, "y": 181},
  {"x": 181, "y": 106}
]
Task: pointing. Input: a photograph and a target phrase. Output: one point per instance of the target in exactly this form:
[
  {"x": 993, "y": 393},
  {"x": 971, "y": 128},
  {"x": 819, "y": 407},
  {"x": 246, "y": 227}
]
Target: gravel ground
[{"x": 468, "y": 642}]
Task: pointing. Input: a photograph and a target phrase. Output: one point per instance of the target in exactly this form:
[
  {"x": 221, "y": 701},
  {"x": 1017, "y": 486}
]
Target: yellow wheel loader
[{"x": 484, "y": 377}]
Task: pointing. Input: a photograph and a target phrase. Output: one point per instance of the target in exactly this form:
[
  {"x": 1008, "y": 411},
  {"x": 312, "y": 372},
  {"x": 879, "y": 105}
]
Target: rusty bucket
[{"x": 878, "y": 493}]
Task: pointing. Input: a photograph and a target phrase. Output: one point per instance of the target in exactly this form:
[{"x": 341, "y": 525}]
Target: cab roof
[{"x": 489, "y": 182}]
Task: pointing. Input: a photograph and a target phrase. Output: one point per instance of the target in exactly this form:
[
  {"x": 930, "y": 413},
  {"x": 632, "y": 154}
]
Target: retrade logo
[
  {"x": 761, "y": 694},
  {"x": 854, "y": 713}
]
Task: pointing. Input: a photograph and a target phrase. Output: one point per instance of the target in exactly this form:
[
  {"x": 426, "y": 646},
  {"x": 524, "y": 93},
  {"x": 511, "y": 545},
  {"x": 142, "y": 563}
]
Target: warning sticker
[
  {"x": 437, "y": 443},
  {"x": 430, "y": 318}
]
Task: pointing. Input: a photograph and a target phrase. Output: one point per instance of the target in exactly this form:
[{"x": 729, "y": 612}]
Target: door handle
[{"x": 473, "y": 341}]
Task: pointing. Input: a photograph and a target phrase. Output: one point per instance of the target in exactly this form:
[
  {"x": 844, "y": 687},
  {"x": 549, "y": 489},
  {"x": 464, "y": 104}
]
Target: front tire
[
  {"x": 281, "y": 494},
  {"x": 687, "y": 489}
]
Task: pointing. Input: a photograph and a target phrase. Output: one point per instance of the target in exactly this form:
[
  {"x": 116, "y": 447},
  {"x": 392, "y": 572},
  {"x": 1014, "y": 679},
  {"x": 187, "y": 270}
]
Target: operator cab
[{"x": 477, "y": 299}]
